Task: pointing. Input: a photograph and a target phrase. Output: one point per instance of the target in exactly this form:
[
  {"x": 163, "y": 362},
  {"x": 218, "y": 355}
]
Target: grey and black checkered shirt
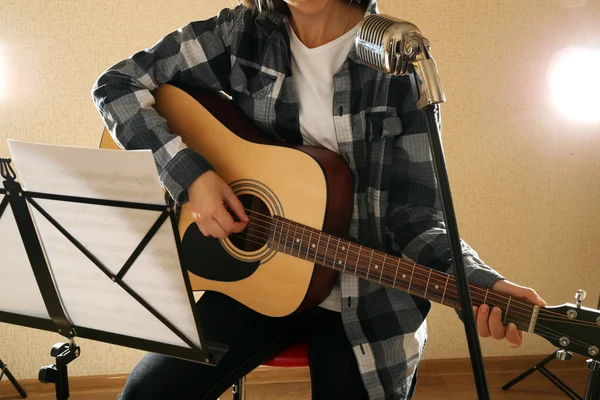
[{"x": 380, "y": 132}]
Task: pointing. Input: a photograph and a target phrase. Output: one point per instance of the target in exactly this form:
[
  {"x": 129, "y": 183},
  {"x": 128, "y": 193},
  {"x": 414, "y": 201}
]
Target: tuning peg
[
  {"x": 580, "y": 296},
  {"x": 564, "y": 355}
]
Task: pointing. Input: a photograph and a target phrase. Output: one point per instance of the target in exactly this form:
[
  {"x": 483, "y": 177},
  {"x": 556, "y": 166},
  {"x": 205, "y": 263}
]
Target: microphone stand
[
  {"x": 430, "y": 95},
  {"x": 400, "y": 49},
  {"x": 432, "y": 115}
]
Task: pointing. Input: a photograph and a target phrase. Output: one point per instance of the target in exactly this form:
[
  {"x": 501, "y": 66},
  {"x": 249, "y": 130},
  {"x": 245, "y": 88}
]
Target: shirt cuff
[
  {"x": 478, "y": 273},
  {"x": 181, "y": 172}
]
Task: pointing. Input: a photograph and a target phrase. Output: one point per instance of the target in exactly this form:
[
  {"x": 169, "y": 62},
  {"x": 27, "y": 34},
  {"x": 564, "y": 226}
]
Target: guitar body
[{"x": 312, "y": 186}]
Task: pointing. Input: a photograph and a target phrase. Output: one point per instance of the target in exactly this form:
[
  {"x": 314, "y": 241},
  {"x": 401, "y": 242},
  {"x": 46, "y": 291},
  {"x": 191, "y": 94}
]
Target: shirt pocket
[
  {"x": 252, "y": 89},
  {"x": 251, "y": 81}
]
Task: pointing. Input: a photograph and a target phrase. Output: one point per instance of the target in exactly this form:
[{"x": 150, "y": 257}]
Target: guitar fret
[
  {"x": 357, "y": 260},
  {"x": 411, "y": 277},
  {"x": 347, "y": 252},
  {"x": 326, "y": 250},
  {"x": 396, "y": 274},
  {"x": 506, "y": 312},
  {"x": 281, "y": 241},
  {"x": 308, "y": 246},
  {"x": 286, "y": 238},
  {"x": 427, "y": 285},
  {"x": 369, "y": 265},
  {"x": 295, "y": 238},
  {"x": 445, "y": 287},
  {"x": 382, "y": 266},
  {"x": 336, "y": 251},
  {"x": 317, "y": 247},
  {"x": 301, "y": 240},
  {"x": 486, "y": 295}
]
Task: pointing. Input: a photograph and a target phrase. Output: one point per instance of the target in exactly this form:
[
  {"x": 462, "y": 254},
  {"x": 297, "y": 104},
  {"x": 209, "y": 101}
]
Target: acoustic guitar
[{"x": 299, "y": 202}]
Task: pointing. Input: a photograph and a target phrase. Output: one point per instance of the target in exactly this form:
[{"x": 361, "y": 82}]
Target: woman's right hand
[{"x": 208, "y": 195}]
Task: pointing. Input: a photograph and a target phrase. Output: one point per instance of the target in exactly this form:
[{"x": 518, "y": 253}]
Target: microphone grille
[{"x": 371, "y": 43}]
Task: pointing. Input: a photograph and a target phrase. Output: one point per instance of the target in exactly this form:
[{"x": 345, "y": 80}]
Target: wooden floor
[{"x": 446, "y": 379}]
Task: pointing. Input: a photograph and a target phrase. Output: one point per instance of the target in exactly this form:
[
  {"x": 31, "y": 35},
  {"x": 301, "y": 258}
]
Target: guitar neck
[{"x": 351, "y": 258}]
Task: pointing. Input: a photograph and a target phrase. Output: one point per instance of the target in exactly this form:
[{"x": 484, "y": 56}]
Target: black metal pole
[
  {"x": 432, "y": 117},
  {"x": 4, "y": 371},
  {"x": 593, "y": 386}
]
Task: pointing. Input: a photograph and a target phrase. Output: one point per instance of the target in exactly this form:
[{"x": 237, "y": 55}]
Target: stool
[{"x": 295, "y": 355}]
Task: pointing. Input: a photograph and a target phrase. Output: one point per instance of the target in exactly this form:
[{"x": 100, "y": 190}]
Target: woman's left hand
[{"x": 489, "y": 323}]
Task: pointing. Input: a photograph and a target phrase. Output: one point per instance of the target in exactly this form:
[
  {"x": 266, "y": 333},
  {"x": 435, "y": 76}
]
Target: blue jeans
[{"x": 252, "y": 338}]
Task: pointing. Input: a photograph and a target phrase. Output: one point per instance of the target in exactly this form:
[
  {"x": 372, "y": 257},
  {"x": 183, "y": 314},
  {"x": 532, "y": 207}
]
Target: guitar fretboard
[{"x": 351, "y": 258}]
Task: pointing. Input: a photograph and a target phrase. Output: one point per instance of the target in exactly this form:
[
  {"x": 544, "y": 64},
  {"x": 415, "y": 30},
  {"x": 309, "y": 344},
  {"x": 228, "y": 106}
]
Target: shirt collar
[{"x": 270, "y": 22}]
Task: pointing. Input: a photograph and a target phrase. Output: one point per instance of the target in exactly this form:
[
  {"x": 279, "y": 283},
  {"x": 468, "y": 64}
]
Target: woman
[{"x": 291, "y": 67}]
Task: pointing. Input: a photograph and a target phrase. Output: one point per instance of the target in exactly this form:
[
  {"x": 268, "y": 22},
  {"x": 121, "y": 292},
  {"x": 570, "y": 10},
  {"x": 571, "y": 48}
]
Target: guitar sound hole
[{"x": 258, "y": 230}]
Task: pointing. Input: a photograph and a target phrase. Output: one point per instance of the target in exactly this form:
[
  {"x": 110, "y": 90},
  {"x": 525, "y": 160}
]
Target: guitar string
[
  {"x": 519, "y": 304},
  {"x": 526, "y": 315},
  {"x": 516, "y": 302},
  {"x": 540, "y": 330},
  {"x": 436, "y": 278},
  {"x": 490, "y": 295},
  {"x": 524, "y": 319}
]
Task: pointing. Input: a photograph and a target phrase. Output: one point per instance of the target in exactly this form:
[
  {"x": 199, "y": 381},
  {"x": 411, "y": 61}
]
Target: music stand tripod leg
[
  {"x": 530, "y": 371},
  {"x": 4, "y": 371},
  {"x": 593, "y": 386}
]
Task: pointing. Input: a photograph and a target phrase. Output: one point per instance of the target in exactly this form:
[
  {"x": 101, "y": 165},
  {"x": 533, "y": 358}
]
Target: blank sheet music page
[{"x": 111, "y": 234}]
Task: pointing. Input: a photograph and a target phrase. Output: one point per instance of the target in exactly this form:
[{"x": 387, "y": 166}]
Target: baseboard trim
[
  {"x": 268, "y": 375},
  {"x": 445, "y": 367}
]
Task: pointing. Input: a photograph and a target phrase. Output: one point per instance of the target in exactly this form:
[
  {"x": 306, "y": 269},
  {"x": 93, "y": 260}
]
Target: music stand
[
  {"x": 38, "y": 292},
  {"x": 4, "y": 371}
]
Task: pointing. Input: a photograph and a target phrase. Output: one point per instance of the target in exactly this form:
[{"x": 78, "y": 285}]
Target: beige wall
[{"x": 525, "y": 181}]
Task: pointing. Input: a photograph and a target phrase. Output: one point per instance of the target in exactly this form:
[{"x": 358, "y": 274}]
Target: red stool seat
[{"x": 296, "y": 355}]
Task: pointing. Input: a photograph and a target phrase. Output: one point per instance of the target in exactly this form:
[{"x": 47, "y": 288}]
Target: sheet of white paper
[
  {"x": 86, "y": 172},
  {"x": 19, "y": 292},
  {"x": 91, "y": 299}
]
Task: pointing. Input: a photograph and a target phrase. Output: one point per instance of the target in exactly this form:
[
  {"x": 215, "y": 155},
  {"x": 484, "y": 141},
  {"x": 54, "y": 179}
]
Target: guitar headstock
[{"x": 571, "y": 327}]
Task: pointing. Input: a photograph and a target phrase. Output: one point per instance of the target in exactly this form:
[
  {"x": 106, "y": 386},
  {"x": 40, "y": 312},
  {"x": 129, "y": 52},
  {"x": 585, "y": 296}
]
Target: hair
[
  {"x": 280, "y": 5},
  {"x": 271, "y": 5}
]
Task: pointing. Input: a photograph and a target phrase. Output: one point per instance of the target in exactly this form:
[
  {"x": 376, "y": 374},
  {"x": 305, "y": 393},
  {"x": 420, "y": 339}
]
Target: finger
[
  {"x": 495, "y": 324},
  {"x": 513, "y": 336},
  {"x": 215, "y": 229},
  {"x": 534, "y": 298},
  {"x": 482, "y": 321},
  {"x": 522, "y": 292},
  {"x": 226, "y": 221},
  {"x": 235, "y": 204},
  {"x": 204, "y": 232},
  {"x": 200, "y": 223}
]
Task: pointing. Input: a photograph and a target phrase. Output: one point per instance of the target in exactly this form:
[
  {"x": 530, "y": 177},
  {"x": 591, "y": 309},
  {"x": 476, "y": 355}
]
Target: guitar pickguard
[{"x": 206, "y": 257}]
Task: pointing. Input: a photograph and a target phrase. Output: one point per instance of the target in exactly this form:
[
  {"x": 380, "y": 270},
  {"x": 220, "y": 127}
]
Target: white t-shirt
[{"x": 313, "y": 71}]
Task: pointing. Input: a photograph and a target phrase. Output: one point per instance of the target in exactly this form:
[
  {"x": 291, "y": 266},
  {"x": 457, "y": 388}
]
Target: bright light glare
[{"x": 575, "y": 84}]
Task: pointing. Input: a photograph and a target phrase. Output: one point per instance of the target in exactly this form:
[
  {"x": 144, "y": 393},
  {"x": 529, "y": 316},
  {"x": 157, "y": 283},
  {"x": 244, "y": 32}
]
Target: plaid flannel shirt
[{"x": 380, "y": 132}]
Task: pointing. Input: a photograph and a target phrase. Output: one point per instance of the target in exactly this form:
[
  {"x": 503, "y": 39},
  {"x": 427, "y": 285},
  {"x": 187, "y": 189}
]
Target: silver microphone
[{"x": 397, "y": 47}]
